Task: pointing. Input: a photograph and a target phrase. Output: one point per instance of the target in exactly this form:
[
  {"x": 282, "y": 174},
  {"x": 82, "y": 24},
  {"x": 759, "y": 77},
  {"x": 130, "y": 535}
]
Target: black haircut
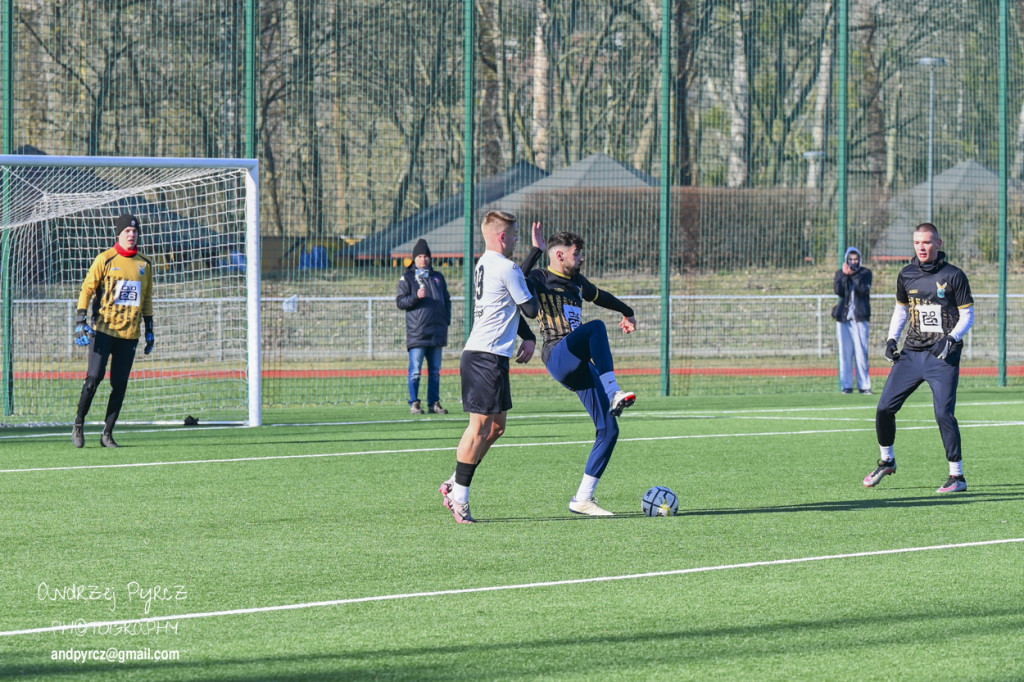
[{"x": 565, "y": 239}]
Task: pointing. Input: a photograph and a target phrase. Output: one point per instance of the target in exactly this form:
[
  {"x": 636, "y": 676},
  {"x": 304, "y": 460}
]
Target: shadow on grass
[
  {"x": 997, "y": 492},
  {"x": 1002, "y": 492},
  {"x": 527, "y": 658}
]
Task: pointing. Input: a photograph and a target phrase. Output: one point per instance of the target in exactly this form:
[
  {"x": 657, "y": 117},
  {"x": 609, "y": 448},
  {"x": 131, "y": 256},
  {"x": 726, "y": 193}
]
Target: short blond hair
[{"x": 496, "y": 221}]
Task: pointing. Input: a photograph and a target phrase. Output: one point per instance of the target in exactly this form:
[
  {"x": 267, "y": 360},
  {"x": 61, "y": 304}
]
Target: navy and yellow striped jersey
[
  {"x": 121, "y": 290},
  {"x": 561, "y": 304}
]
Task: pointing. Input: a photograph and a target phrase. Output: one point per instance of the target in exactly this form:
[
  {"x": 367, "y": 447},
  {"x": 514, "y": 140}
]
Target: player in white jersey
[{"x": 500, "y": 293}]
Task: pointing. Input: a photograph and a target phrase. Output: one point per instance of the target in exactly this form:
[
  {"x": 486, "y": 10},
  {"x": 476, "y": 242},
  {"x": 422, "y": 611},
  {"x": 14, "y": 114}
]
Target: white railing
[{"x": 325, "y": 329}]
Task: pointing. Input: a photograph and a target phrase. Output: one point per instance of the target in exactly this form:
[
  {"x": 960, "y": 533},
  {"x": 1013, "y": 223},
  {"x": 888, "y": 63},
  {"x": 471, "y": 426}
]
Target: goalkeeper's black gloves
[
  {"x": 149, "y": 335},
  {"x": 892, "y": 353},
  {"x": 83, "y": 333},
  {"x": 941, "y": 348}
]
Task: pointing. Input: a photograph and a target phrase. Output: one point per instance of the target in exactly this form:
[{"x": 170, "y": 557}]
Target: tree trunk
[
  {"x": 681, "y": 163},
  {"x": 644, "y": 154},
  {"x": 543, "y": 97},
  {"x": 492, "y": 121},
  {"x": 822, "y": 102},
  {"x": 864, "y": 33},
  {"x": 739, "y": 100}
]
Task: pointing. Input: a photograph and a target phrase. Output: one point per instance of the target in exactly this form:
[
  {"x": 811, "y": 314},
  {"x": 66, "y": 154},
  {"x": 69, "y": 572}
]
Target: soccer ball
[{"x": 660, "y": 501}]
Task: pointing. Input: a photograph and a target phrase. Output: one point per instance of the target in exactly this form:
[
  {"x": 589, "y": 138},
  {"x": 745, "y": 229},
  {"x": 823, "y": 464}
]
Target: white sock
[
  {"x": 887, "y": 452},
  {"x": 956, "y": 468},
  {"x": 460, "y": 493},
  {"x": 610, "y": 383},
  {"x": 587, "y": 487}
]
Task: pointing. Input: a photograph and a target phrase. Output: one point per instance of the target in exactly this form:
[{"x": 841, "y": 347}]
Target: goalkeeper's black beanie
[{"x": 126, "y": 220}]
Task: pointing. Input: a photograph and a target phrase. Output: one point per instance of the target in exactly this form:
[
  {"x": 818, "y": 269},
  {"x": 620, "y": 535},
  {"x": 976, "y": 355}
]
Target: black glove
[
  {"x": 892, "y": 353},
  {"x": 83, "y": 333},
  {"x": 149, "y": 335},
  {"x": 943, "y": 346}
]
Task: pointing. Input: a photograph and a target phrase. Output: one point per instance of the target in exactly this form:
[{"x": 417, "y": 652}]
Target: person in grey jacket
[
  {"x": 852, "y": 314},
  {"x": 423, "y": 295}
]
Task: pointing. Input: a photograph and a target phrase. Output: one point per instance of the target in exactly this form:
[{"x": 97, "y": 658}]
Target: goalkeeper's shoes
[
  {"x": 885, "y": 468},
  {"x": 955, "y": 484},
  {"x": 588, "y": 507},
  {"x": 620, "y": 401},
  {"x": 78, "y": 436},
  {"x": 459, "y": 511},
  {"x": 107, "y": 440}
]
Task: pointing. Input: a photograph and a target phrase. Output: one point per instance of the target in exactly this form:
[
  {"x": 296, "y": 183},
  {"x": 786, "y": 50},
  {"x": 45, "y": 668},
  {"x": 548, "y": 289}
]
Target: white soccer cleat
[
  {"x": 620, "y": 401},
  {"x": 588, "y": 507}
]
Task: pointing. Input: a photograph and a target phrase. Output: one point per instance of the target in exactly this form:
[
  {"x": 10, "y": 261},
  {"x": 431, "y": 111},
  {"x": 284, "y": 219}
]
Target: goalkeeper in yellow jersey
[{"x": 120, "y": 286}]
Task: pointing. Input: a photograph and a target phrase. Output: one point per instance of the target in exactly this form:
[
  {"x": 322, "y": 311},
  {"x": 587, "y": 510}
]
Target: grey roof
[
  {"x": 593, "y": 172},
  {"x": 450, "y": 210},
  {"x": 966, "y": 196}
]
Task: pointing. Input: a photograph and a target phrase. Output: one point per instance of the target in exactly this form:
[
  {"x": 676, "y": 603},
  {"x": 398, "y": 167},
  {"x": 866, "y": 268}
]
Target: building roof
[
  {"x": 446, "y": 211},
  {"x": 593, "y": 172},
  {"x": 966, "y": 196}
]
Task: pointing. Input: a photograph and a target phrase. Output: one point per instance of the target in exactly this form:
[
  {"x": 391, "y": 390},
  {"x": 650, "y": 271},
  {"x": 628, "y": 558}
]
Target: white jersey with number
[{"x": 498, "y": 288}]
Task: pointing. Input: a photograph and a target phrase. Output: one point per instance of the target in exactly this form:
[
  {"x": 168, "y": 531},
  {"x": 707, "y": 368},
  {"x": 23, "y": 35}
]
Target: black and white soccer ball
[{"x": 660, "y": 501}]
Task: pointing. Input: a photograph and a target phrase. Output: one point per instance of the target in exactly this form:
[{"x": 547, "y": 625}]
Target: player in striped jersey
[
  {"x": 578, "y": 354},
  {"x": 120, "y": 286}
]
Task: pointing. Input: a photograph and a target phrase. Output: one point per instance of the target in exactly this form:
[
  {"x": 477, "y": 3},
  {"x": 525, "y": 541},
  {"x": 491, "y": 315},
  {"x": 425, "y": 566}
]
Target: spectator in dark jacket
[
  {"x": 423, "y": 295},
  {"x": 852, "y": 313}
]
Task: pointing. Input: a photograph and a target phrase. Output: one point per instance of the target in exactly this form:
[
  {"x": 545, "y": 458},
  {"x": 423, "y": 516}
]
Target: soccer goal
[{"x": 199, "y": 227}]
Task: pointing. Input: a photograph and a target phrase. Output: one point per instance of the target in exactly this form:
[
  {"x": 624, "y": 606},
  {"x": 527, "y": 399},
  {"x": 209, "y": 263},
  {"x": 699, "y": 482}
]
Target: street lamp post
[{"x": 931, "y": 63}]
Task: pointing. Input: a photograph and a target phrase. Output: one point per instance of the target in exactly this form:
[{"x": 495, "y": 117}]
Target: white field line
[
  {"x": 500, "y": 588},
  {"x": 403, "y": 451},
  {"x": 366, "y": 422}
]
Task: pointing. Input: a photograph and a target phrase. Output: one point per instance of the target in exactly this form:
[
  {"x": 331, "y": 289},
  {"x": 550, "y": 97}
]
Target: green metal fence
[{"x": 717, "y": 156}]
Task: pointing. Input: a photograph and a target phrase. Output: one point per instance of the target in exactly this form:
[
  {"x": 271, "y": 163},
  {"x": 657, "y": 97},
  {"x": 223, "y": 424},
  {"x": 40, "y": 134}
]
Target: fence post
[
  {"x": 821, "y": 332},
  {"x": 369, "y": 328}
]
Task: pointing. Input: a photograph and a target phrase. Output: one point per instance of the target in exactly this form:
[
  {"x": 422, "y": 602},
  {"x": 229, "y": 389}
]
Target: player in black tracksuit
[{"x": 934, "y": 302}]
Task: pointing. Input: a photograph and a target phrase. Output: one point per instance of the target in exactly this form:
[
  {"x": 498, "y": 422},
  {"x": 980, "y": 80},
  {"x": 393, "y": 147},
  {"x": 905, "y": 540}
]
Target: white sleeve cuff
[
  {"x": 965, "y": 322},
  {"x": 898, "y": 321}
]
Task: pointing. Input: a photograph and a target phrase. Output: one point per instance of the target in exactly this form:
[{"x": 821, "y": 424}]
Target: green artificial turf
[{"x": 341, "y": 505}]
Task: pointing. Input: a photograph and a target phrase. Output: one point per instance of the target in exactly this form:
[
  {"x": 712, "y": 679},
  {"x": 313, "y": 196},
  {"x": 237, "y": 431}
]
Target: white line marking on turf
[
  {"x": 366, "y": 422},
  {"x": 404, "y": 451},
  {"x": 502, "y": 588}
]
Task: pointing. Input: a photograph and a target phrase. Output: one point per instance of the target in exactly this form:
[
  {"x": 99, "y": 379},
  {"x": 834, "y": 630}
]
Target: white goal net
[{"x": 200, "y": 229}]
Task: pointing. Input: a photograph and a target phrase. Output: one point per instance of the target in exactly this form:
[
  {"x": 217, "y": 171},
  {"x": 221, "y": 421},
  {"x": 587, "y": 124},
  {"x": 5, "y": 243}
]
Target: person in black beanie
[
  {"x": 120, "y": 286},
  {"x": 423, "y": 295}
]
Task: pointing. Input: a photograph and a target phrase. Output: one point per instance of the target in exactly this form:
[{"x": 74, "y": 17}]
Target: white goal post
[{"x": 200, "y": 228}]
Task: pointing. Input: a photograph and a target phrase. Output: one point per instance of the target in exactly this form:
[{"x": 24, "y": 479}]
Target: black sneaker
[
  {"x": 78, "y": 436},
  {"x": 955, "y": 484},
  {"x": 866, "y": 391},
  {"x": 847, "y": 391},
  {"x": 885, "y": 467},
  {"x": 107, "y": 440}
]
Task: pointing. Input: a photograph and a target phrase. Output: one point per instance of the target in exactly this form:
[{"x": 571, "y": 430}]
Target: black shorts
[{"x": 485, "y": 385}]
